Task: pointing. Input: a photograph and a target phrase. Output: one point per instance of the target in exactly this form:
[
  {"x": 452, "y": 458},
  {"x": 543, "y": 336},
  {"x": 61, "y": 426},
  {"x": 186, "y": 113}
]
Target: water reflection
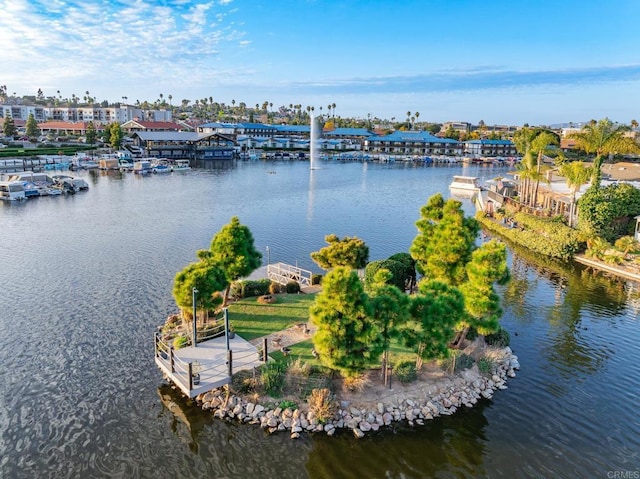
[
  {"x": 188, "y": 420},
  {"x": 454, "y": 446}
]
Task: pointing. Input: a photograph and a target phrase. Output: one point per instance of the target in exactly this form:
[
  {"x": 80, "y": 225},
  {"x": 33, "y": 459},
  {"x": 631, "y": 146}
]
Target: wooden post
[
  {"x": 230, "y": 362},
  {"x": 172, "y": 360},
  {"x": 264, "y": 350},
  {"x": 190, "y": 371}
]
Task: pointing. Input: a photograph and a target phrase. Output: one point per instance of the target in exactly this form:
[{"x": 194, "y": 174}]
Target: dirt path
[{"x": 292, "y": 335}]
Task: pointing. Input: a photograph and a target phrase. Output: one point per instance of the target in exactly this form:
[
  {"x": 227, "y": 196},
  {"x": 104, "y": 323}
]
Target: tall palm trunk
[{"x": 534, "y": 200}]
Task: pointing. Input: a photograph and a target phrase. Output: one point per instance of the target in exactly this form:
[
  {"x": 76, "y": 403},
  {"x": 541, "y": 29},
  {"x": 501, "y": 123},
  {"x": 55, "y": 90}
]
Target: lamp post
[
  {"x": 195, "y": 339},
  {"x": 268, "y": 256}
]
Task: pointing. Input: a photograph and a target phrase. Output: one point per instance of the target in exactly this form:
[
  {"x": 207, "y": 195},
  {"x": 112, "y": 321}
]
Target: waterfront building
[
  {"x": 95, "y": 113},
  {"x": 411, "y": 143},
  {"x": 484, "y": 148}
]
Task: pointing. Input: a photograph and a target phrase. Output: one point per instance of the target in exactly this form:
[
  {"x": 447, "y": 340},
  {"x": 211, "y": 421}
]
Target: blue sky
[{"x": 503, "y": 62}]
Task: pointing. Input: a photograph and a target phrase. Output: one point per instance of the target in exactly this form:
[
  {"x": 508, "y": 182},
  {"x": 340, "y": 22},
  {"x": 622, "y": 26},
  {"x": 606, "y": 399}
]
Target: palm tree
[
  {"x": 604, "y": 138},
  {"x": 542, "y": 146},
  {"x": 577, "y": 175}
]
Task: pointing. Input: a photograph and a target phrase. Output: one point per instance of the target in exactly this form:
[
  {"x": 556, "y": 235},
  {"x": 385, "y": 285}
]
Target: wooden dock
[{"x": 208, "y": 366}]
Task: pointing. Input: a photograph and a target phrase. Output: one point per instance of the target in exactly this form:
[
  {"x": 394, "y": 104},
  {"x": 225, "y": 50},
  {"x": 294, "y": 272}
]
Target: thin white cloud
[{"x": 54, "y": 41}]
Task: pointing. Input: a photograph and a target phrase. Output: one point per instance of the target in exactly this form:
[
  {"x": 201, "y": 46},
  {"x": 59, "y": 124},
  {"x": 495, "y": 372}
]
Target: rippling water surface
[{"x": 86, "y": 279}]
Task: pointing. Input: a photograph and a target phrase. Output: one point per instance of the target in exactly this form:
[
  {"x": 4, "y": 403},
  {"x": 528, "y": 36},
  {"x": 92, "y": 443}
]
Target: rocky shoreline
[{"x": 443, "y": 397}]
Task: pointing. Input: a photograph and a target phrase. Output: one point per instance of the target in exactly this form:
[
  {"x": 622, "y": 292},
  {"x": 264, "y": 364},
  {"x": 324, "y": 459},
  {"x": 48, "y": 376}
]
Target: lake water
[{"x": 86, "y": 279}]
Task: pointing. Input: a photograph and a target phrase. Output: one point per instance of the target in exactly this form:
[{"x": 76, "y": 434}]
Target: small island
[{"x": 369, "y": 343}]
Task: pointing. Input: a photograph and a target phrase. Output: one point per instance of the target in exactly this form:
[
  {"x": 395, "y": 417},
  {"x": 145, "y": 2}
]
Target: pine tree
[
  {"x": 488, "y": 266},
  {"x": 345, "y": 336},
  {"x": 232, "y": 250},
  {"x": 445, "y": 241},
  {"x": 32, "y": 127},
  {"x": 434, "y": 312},
  {"x": 9, "y": 128},
  {"x": 207, "y": 278},
  {"x": 350, "y": 252}
]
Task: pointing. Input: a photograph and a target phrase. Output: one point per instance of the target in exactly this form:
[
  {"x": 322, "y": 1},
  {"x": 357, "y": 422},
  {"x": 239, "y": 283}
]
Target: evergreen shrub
[
  {"x": 406, "y": 372},
  {"x": 500, "y": 338},
  {"x": 292, "y": 287}
]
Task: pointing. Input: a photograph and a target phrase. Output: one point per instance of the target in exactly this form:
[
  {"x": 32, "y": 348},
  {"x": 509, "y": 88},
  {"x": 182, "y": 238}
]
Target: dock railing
[
  {"x": 283, "y": 273},
  {"x": 201, "y": 375}
]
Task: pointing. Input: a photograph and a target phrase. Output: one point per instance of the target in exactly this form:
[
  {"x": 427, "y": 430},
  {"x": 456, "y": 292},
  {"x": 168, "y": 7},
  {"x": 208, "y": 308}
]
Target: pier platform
[{"x": 209, "y": 365}]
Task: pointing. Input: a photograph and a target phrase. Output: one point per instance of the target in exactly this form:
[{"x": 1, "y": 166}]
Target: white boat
[
  {"x": 12, "y": 191},
  {"x": 161, "y": 166},
  {"x": 142, "y": 167},
  {"x": 467, "y": 183},
  {"x": 181, "y": 165}
]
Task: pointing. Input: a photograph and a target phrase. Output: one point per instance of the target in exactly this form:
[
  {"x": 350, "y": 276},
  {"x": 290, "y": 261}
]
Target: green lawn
[{"x": 252, "y": 320}]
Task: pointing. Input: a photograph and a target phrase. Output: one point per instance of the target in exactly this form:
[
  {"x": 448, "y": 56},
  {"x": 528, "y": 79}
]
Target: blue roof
[
  {"x": 348, "y": 132},
  {"x": 254, "y": 126},
  {"x": 490, "y": 142},
  {"x": 412, "y": 136},
  {"x": 293, "y": 128}
]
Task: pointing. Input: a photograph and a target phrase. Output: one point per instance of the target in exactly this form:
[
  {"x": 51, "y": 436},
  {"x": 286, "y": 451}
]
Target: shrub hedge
[{"x": 546, "y": 236}]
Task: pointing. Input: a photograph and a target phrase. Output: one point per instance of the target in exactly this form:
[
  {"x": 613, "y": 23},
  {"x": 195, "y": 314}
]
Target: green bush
[
  {"x": 288, "y": 405},
  {"x": 546, "y": 236},
  {"x": 500, "y": 338},
  {"x": 406, "y": 372},
  {"x": 249, "y": 288},
  {"x": 292, "y": 287},
  {"x": 316, "y": 278},
  {"x": 180, "y": 342},
  {"x": 486, "y": 365},
  {"x": 274, "y": 288},
  {"x": 272, "y": 377}
]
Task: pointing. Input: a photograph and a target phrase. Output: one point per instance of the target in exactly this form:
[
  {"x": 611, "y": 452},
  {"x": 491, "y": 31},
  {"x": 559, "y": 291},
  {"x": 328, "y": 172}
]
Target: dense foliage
[
  {"x": 395, "y": 268},
  {"x": 208, "y": 280},
  {"x": 546, "y": 236},
  {"x": 248, "y": 288},
  {"x": 434, "y": 313},
  {"x": 351, "y": 252},
  {"x": 233, "y": 250},
  {"x": 445, "y": 240},
  {"x": 488, "y": 266},
  {"x": 345, "y": 336},
  {"x": 609, "y": 211}
]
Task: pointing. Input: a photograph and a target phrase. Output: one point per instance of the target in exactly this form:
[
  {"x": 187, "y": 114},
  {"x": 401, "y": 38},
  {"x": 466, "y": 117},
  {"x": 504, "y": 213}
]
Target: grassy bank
[{"x": 545, "y": 236}]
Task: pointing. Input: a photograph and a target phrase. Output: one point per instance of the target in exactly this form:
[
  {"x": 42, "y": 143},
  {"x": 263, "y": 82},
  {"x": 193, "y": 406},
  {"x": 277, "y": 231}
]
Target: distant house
[
  {"x": 66, "y": 127},
  {"x": 139, "y": 125},
  {"x": 459, "y": 126}
]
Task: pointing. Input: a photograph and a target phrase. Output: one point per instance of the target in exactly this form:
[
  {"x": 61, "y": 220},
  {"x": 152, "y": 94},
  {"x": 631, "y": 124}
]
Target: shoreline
[{"x": 414, "y": 403}]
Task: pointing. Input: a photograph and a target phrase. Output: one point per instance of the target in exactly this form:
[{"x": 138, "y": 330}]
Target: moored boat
[
  {"x": 12, "y": 191},
  {"x": 468, "y": 183}
]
